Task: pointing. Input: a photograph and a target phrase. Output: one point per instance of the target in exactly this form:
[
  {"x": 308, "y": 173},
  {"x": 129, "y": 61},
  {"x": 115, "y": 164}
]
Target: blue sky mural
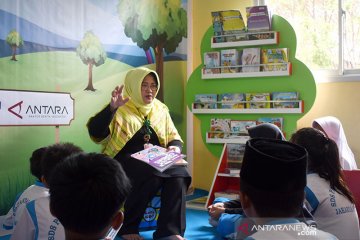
[{"x": 60, "y": 25}]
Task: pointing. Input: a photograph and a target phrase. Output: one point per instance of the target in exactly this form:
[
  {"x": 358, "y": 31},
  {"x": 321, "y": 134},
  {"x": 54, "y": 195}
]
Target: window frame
[{"x": 340, "y": 74}]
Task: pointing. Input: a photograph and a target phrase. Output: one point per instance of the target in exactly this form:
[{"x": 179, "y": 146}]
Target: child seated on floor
[
  {"x": 272, "y": 191},
  {"x": 327, "y": 194},
  {"x": 36, "y": 221},
  {"x": 37, "y": 190},
  {"x": 102, "y": 182}
]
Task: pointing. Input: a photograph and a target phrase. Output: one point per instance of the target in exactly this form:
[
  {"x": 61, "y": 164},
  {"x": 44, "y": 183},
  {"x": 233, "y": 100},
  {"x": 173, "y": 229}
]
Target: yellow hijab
[
  {"x": 129, "y": 118},
  {"x": 132, "y": 88}
]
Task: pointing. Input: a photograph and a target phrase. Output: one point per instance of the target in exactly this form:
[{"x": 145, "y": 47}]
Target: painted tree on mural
[
  {"x": 92, "y": 54},
  {"x": 157, "y": 24},
  {"x": 15, "y": 41}
]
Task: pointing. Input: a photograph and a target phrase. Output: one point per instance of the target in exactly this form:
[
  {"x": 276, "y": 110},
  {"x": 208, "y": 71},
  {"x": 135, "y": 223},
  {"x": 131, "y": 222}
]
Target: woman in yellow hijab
[{"x": 133, "y": 120}]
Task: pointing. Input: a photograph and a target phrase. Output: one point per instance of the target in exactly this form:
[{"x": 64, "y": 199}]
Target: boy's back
[
  {"x": 35, "y": 191},
  {"x": 38, "y": 223}
]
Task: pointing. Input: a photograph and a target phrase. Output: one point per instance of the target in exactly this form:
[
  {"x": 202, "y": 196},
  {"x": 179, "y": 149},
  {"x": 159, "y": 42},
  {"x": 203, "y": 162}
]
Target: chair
[{"x": 352, "y": 179}]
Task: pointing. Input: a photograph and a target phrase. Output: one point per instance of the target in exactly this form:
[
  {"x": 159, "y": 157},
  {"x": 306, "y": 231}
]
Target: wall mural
[{"x": 83, "y": 48}]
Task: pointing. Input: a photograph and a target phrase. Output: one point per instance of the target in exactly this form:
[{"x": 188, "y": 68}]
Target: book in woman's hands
[{"x": 159, "y": 157}]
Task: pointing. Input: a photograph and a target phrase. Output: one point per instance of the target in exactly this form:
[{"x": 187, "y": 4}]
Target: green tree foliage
[
  {"x": 92, "y": 54},
  {"x": 157, "y": 24},
  {"x": 14, "y": 40}
]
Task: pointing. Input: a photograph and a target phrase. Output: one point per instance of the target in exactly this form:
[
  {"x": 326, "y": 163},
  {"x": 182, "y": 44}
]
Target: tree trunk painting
[
  {"x": 13, "y": 58},
  {"x": 159, "y": 60},
  {"x": 90, "y": 86}
]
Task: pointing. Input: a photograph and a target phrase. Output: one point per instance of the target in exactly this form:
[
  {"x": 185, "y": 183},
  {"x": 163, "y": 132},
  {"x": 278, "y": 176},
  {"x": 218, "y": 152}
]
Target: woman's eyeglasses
[{"x": 151, "y": 87}]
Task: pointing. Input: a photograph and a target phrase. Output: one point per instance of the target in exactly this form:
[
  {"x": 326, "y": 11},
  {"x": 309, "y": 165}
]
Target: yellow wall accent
[
  {"x": 339, "y": 99},
  {"x": 204, "y": 163}
]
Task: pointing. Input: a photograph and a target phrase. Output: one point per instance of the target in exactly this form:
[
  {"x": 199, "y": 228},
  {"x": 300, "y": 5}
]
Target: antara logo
[{"x": 12, "y": 108}]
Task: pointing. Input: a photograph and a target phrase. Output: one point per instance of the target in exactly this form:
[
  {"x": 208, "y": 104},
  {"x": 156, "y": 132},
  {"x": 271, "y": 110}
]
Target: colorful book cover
[
  {"x": 250, "y": 60},
  {"x": 217, "y": 25},
  {"x": 258, "y": 19},
  {"x": 219, "y": 128},
  {"x": 205, "y": 101},
  {"x": 275, "y": 59},
  {"x": 158, "y": 157},
  {"x": 239, "y": 127},
  {"x": 232, "y": 100},
  {"x": 261, "y": 36},
  {"x": 230, "y": 57},
  {"x": 277, "y": 121},
  {"x": 282, "y": 97},
  {"x": 258, "y": 100},
  {"x": 235, "y": 154},
  {"x": 212, "y": 62}
]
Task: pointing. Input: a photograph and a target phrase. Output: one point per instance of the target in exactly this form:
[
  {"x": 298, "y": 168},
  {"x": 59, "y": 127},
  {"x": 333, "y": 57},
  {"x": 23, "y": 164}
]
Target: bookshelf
[{"x": 296, "y": 78}]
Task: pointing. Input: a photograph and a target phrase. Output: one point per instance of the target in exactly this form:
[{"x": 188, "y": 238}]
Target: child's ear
[
  {"x": 245, "y": 201},
  {"x": 117, "y": 220}
]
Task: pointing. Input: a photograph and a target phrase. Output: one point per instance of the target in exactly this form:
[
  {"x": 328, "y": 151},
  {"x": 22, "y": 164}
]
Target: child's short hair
[
  {"x": 54, "y": 154},
  {"x": 35, "y": 162},
  {"x": 86, "y": 192},
  {"x": 273, "y": 176}
]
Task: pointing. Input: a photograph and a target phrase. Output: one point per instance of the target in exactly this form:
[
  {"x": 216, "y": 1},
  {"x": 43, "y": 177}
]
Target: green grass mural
[{"x": 65, "y": 72}]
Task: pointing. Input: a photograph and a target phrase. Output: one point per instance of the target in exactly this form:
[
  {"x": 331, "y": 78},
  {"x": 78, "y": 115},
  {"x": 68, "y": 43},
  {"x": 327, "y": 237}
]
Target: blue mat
[{"x": 197, "y": 227}]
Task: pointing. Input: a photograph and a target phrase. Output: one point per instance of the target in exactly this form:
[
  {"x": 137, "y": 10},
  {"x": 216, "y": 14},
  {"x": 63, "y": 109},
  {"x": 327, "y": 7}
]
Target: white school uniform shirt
[
  {"x": 333, "y": 212},
  {"x": 35, "y": 191},
  {"x": 290, "y": 229},
  {"x": 37, "y": 223}
]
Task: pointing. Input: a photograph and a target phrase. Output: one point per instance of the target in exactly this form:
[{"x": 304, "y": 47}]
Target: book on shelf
[
  {"x": 258, "y": 100},
  {"x": 235, "y": 155},
  {"x": 239, "y": 127},
  {"x": 282, "y": 97},
  {"x": 211, "y": 62},
  {"x": 261, "y": 35},
  {"x": 232, "y": 100},
  {"x": 250, "y": 60},
  {"x": 274, "y": 59},
  {"x": 159, "y": 158},
  {"x": 227, "y": 24},
  {"x": 229, "y": 58},
  {"x": 232, "y": 171},
  {"x": 230, "y": 194},
  {"x": 258, "y": 19},
  {"x": 278, "y": 121},
  {"x": 205, "y": 101},
  {"x": 219, "y": 128}
]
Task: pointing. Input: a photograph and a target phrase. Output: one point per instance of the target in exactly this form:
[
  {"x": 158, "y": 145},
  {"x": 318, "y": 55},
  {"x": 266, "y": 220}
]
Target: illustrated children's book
[
  {"x": 232, "y": 100},
  {"x": 219, "y": 128},
  {"x": 158, "y": 157},
  {"x": 258, "y": 18},
  {"x": 227, "y": 23},
  {"x": 258, "y": 100},
  {"x": 275, "y": 59},
  {"x": 250, "y": 60},
  {"x": 277, "y": 121},
  {"x": 211, "y": 62},
  {"x": 230, "y": 57},
  {"x": 282, "y": 97},
  {"x": 235, "y": 155},
  {"x": 239, "y": 127},
  {"x": 205, "y": 101}
]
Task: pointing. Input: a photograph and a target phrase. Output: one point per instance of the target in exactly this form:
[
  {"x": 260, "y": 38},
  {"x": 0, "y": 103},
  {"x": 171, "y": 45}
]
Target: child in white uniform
[
  {"x": 272, "y": 183},
  {"x": 36, "y": 222},
  {"x": 327, "y": 196},
  {"x": 37, "y": 190}
]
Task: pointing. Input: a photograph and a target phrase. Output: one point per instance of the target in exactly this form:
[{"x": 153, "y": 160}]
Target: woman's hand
[
  {"x": 117, "y": 99},
  {"x": 216, "y": 210}
]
